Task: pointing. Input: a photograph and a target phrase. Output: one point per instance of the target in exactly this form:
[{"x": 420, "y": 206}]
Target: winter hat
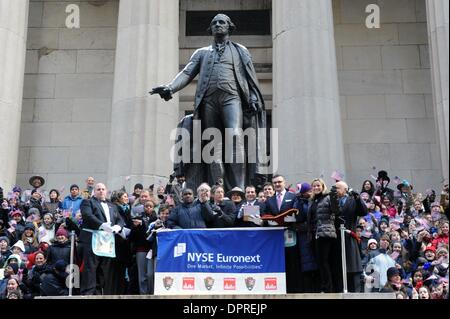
[
  {"x": 60, "y": 265},
  {"x": 372, "y": 241},
  {"x": 14, "y": 267},
  {"x": 393, "y": 271},
  {"x": 19, "y": 244},
  {"x": 34, "y": 211},
  {"x": 138, "y": 186},
  {"x": 16, "y": 212},
  {"x": 5, "y": 239},
  {"x": 432, "y": 248},
  {"x": 306, "y": 187},
  {"x": 17, "y": 189},
  {"x": 30, "y": 226},
  {"x": 435, "y": 204},
  {"x": 62, "y": 232},
  {"x": 384, "y": 219},
  {"x": 404, "y": 183},
  {"x": 13, "y": 256}
]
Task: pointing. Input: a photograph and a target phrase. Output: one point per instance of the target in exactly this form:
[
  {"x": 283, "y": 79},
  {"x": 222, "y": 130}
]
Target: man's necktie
[{"x": 279, "y": 200}]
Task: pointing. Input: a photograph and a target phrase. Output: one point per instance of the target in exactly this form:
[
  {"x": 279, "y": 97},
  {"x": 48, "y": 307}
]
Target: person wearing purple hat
[
  {"x": 17, "y": 191},
  {"x": 60, "y": 250},
  {"x": 308, "y": 264}
]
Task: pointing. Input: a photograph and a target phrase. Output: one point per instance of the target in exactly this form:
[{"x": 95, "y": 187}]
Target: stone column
[
  {"x": 13, "y": 39},
  {"x": 146, "y": 56},
  {"x": 437, "y": 17},
  {"x": 305, "y": 85}
]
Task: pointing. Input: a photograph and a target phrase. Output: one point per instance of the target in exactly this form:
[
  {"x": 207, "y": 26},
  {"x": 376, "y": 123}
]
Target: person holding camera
[
  {"x": 175, "y": 189},
  {"x": 351, "y": 208},
  {"x": 141, "y": 246},
  {"x": 218, "y": 213},
  {"x": 153, "y": 228}
]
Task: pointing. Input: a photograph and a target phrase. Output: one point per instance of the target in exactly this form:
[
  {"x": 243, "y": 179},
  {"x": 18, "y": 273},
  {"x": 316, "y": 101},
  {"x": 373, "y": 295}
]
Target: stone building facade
[{"x": 74, "y": 102}]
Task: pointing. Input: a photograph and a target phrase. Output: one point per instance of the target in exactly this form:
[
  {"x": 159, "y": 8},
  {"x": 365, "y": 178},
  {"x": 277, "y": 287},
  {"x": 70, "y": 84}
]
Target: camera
[{"x": 217, "y": 210}]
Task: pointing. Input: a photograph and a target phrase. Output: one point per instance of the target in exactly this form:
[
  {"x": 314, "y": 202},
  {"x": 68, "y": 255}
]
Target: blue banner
[
  {"x": 225, "y": 251},
  {"x": 220, "y": 261}
]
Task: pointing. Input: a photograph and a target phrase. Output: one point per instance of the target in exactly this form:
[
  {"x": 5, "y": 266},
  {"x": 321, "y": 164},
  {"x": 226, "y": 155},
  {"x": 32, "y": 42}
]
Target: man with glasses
[{"x": 275, "y": 205}]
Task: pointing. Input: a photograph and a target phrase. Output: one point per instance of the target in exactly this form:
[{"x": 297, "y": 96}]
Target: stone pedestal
[
  {"x": 438, "y": 18},
  {"x": 13, "y": 38},
  {"x": 306, "y": 96},
  {"x": 146, "y": 56}
]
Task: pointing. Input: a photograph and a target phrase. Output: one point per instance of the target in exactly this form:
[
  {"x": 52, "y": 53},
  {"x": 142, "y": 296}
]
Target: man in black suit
[
  {"x": 250, "y": 200},
  {"x": 99, "y": 275},
  {"x": 277, "y": 204}
]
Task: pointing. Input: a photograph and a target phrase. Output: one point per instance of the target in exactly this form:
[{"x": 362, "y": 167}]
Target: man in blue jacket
[{"x": 73, "y": 201}]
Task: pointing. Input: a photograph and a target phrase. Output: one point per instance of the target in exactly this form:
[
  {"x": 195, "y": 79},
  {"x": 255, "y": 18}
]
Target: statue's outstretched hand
[{"x": 164, "y": 91}]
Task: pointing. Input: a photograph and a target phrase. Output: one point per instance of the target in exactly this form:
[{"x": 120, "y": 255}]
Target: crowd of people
[{"x": 396, "y": 240}]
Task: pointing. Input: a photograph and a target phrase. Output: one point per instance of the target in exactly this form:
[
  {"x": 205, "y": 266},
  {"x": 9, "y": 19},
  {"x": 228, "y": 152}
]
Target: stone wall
[
  {"x": 384, "y": 82},
  {"x": 386, "y": 97},
  {"x": 68, "y": 87}
]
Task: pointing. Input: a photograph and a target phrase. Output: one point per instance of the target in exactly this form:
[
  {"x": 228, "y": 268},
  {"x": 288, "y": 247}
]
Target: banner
[{"x": 220, "y": 261}]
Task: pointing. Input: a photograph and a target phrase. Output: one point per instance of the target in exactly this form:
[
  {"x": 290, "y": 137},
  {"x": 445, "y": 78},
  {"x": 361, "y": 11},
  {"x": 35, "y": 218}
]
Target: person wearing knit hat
[
  {"x": 60, "y": 250},
  {"x": 394, "y": 282},
  {"x": 13, "y": 259},
  {"x": 30, "y": 226},
  {"x": 62, "y": 232},
  {"x": 372, "y": 241},
  {"x": 305, "y": 187},
  {"x": 4, "y": 250},
  {"x": 430, "y": 253},
  {"x": 11, "y": 269},
  {"x": 60, "y": 266},
  {"x": 5, "y": 239},
  {"x": 17, "y": 189},
  {"x": 392, "y": 272},
  {"x": 29, "y": 238},
  {"x": 15, "y": 213},
  {"x": 54, "y": 282}
]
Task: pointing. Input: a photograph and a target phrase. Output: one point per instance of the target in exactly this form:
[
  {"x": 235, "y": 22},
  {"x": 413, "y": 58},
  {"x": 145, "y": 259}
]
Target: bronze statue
[{"x": 228, "y": 98}]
